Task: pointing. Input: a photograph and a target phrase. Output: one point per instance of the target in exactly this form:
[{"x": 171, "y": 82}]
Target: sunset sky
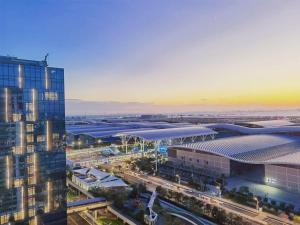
[{"x": 194, "y": 52}]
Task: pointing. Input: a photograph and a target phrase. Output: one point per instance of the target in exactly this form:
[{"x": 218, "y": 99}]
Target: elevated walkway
[
  {"x": 83, "y": 191},
  {"x": 87, "y": 204}
]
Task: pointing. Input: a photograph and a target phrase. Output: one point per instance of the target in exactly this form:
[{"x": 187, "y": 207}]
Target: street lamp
[
  {"x": 219, "y": 191},
  {"x": 257, "y": 203},
  {"x": 178, "y": 177}
]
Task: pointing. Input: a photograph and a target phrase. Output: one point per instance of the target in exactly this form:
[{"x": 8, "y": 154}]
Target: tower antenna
[{"x": 45, "y": 59}]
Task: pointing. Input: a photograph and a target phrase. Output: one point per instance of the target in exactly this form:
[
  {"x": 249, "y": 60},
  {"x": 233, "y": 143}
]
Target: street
[
  {"x": 76, "y": 219},
  {"x": 250, "y": 214}
]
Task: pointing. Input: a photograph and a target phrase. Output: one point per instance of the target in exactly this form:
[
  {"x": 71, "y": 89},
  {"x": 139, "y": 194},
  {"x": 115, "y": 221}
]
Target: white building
[{"x": 88, "y": 178}]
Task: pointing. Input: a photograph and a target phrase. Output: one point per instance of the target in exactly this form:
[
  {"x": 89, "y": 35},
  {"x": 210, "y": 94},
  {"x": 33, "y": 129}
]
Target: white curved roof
[
  {"x": 110, "y": 133},
  {"x": 256, "y": 149},
  {"x": 247, "y": 130},
  {"x": 293, "y": 158},
  {"x": 171, "y": 133},
  {"x": 103, "y": 179}
]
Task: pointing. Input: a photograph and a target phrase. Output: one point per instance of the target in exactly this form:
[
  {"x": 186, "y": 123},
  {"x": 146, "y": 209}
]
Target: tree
[
  {"x": 238, "y": 221},
  {"x": 178, "y": 196},
  {"x": 222, "y": 182},
  {"x": 221, "y": 216},
  {"x": 186, "y": 201},
  {"x": 177, "y": 221},
  {"x": 11, "y": 219},
  {"x": 168, "y": 219},
  {"x": 230, "y": 218},
  {"x": 134, "y": 192},
  {"x": 244, "y": 189},
  {"x": 119, "y": 201},
  {"x": 273, "y": 203},
  {"x": 208, "y": 208},
  {"x": 139, "y": 216},
  {"x": 119, "y": 167},
  {"x": 290, "y": 208},
  {"x": 282, "y": 205},
  {"x": 69, "y": 174},
  {"x": 141, "y": 188},
  {"x": 161, "y": 191},
  {"x": 214, "y": 212}
]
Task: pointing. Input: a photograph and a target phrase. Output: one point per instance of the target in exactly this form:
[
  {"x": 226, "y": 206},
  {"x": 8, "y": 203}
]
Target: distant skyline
[
  {"x": 213, "y": 54},
  {"x": 79, "y": 107}
]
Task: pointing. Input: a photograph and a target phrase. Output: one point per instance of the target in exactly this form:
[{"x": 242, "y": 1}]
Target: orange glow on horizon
[{"x": 283, "y": 98}]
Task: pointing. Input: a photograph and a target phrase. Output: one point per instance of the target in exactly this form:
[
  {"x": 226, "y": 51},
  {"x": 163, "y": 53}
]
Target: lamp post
[
  {"x": 178, "y": 177},
  {"x": 256, "y": 199}
]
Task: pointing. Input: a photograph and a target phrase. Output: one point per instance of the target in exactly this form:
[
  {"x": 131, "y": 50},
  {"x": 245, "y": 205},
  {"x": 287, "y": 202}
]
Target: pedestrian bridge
[
  {"x": 87, "y": 204},
  {"x": 83, "y": 191}
]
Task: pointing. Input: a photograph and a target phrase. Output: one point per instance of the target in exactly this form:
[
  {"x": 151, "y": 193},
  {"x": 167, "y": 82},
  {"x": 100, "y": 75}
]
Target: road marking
[{"x": 274, "y": 221}]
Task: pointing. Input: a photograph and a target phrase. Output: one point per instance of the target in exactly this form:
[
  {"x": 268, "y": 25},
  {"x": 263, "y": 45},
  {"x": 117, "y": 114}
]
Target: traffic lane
[
  {"x": 132, "y": 179},
  {"x": 274, "y": 221},
  {"x": 75, "y": 219},
  {"x": 239, "y": 209},
  {"x": 210, "y": 199}
]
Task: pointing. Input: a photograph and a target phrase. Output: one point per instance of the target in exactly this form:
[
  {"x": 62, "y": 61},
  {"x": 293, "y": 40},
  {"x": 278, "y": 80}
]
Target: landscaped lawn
[{"x": 70, "y": 196}]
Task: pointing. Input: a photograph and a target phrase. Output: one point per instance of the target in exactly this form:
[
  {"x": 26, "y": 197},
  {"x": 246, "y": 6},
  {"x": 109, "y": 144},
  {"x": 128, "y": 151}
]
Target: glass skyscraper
[{"x": 32, "y": 130}]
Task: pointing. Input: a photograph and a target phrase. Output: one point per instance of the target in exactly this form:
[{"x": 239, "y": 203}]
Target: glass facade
[{"x": 32, "y": 130}]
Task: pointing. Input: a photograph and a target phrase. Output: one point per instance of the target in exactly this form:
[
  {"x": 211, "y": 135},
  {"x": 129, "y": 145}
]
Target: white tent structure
[
  {"x": 252, "y": 149},
  {"x": 88, "y": 178},
  {"x": 169, "y": 135}
]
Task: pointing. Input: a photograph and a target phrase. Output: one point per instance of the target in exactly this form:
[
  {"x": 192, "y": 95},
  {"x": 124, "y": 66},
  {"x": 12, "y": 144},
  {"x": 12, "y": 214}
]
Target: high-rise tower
[{"x": 32, "y": 129}]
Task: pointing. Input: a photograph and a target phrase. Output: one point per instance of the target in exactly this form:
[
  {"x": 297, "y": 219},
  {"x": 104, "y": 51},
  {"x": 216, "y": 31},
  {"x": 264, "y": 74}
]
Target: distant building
[
  {"x": 89, "y": 178},
  {"x": 153, "y": 116},
  {"x": 270, "y": 159},
  {"x": 32, "y": 157}
]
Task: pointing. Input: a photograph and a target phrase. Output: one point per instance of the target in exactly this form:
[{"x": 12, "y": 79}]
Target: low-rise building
[
  {"x": 89, "y": 178},
  {"x": 270, "y": 159}
]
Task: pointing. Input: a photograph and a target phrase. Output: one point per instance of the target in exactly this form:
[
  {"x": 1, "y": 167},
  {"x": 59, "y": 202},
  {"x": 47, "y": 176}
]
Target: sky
[{"x": 234, "y": 54}]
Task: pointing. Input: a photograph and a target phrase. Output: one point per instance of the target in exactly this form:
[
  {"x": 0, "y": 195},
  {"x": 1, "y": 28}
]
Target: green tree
[
  {"x": 230, "y": 218},
  {"x": 141, "y": 188},
  {"x": 139, "y": 216},
  {"x": 161, "y": 191},
  {"x": 134, "y": 192},
  {"x": 214, "y": 212},
  {"x": 208, "y": 208},
  {"x": 221, "y": 216},
  {"x": 238, "y": 221}
]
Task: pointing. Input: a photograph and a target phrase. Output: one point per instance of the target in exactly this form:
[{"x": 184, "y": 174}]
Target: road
[
  {"x": 247, "y": 213},
  {"x": 177, "y": 210},
  {"x": 76, "y": 219},
  {"x": 243, "y": 211}
]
